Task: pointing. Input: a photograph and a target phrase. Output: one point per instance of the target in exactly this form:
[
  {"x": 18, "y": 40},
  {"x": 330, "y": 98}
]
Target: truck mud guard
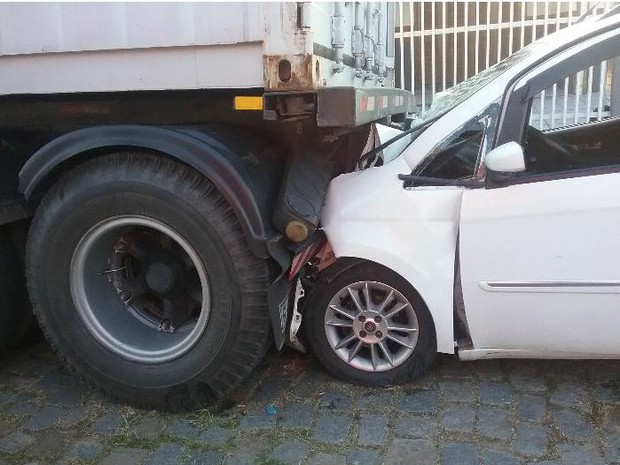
[{"x": 199, "y": 149}]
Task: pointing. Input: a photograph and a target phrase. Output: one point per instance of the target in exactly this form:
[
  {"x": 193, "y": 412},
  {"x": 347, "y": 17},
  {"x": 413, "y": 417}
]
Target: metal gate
[{"x": 439, "y": 44}]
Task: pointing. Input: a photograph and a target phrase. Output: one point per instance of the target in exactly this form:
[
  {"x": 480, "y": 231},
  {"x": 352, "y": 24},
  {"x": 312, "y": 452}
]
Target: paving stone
[
  {"x": 15, "y": 442},
  {"x": 125, "y": 456},
  {"x": 166, "y": 454},
  {"x": 181, "y": 428},
  {"x": 495, "y": 393},
  {"x": 426, "y": 382},
  {"x": 498, "y": 457},
  {"x": 579, "y": 455},
  {"x": 458, "y": 453},
  {"x": 375, "y": 401},
  {"x": 311, "y": 384},
  {"x": 531, "y": 408},
  {"x": 573, "y": 425},
  {"x": 49, "y": 443},
  {"x": 85, "y": 450},
  {"x": 258, "y": 421},
  {"x": 531, "y": 439},
  {"x": 21, "y": 408},
  {"x": 297, "y": 415},
  {"x": 363, "y": 457},
  {"x": 6, "y": 427},
  {"x": 528, "y": 383},
  {"x": 107, "y": 424},
  {"x": 401, "y": 452},
  {"x": 455, "y": 390},
  {"x": 205, "y": 457},
  {"x": 215, "y": 436},
  {"x": 71, "y": 395},
  {"x": 416, "y": 427},
  {"x": 509, "y": 423},
  {"x": 290, "y": 452},
  {"x": 149, "y": 428},
  {"x": 420, "y": 402},
  {"x": 45, "y": 418},
  {"x": 490, "y": 370},
  {"x": 565, "y": 370},
  {"x": 11, "y": 381},
  {"x": 56, "y": 380},
  {"x": 327, "y": 459},
  {"x": 611, "y": 419},
  {"x": 460, "y": 418},
  {"x": 335, "y": 400},
  {"x": 74, "y": 416},
  {"x": 332, "y": 428},
  {"x": 373, "y": 430},
  {"x": 245, "y": 450},
  {"x": 612, "y": 449},
  {"x": 449, "y": 367},
  {"x": 270, "y": 389},
  {"x": 607, "y": 393},
  {"x": 494, "y": 422},
  {"x": 569, "y": 395},
  {"x": 6, "y": 398}
]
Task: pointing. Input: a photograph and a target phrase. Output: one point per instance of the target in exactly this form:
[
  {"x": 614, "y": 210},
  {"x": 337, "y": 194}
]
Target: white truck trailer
[{"x": 161, "y": 165}]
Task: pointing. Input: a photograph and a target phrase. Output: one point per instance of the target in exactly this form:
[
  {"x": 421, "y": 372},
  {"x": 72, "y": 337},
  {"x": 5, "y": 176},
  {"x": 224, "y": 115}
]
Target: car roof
[{"x": 554, "y": 43}]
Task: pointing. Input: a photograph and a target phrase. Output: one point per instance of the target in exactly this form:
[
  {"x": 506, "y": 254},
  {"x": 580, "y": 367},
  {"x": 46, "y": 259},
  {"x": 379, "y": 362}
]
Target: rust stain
[{"x": 301, "y": 77}]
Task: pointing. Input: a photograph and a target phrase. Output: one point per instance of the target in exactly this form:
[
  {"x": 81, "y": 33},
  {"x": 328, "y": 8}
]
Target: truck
[{"x": 162, "y": 164}]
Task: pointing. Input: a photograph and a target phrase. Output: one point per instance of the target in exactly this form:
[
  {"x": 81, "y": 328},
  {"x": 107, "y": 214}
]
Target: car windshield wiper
[{"x": 368, "y": 155}]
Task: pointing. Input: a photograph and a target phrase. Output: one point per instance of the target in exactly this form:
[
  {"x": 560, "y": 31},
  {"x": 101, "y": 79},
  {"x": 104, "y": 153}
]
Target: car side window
[
  {"x": 458, "y": 156},
  {"x": 575, "y": 123}
]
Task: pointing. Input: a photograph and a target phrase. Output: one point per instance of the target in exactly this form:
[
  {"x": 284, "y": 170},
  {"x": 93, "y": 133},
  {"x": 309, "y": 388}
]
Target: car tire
[
  {"x": 15, "y": 314},
  {"x": 404, "y": 342},
  {"x": 142, "y": 280}
]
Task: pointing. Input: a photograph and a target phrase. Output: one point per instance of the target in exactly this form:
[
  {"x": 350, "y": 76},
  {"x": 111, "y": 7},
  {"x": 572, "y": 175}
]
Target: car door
[{"x": 540, "y": 255}]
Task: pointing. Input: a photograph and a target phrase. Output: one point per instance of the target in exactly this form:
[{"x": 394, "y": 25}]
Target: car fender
[{"x": 413, "y": 232}]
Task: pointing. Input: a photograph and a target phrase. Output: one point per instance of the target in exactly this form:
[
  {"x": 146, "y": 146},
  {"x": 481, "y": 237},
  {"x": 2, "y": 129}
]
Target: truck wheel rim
[
  {"x": 140, "y": 289},
  {"x": 371, "y": 326}
]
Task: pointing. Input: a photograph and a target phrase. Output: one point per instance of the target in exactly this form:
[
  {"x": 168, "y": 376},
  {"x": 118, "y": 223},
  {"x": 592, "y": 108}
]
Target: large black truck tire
[
  {"x": 15, "y": 313},
  {"x": 142, "y": 280}
]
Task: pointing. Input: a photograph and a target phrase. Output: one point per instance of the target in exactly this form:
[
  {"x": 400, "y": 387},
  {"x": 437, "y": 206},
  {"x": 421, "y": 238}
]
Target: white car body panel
[
  {"x": 539, "y": 266},
  {"x": 540, "y": 278},
  {"x": 413, "y": 232}
]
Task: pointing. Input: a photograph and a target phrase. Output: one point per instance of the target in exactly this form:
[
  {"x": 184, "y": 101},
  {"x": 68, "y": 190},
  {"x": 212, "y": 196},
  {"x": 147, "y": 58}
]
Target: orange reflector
[{"x": 248, "y": 103}]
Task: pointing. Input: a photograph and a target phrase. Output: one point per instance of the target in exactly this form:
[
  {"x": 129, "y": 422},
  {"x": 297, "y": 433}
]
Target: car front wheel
[{"x": 367, "y": 325}]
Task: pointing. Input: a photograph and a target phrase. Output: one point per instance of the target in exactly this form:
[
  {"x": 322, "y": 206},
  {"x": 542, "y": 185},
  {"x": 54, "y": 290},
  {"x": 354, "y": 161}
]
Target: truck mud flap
[{"x": 278, "y": 299}]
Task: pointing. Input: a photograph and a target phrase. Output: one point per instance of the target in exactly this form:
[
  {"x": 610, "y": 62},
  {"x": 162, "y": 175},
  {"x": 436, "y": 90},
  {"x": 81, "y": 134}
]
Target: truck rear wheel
[
  {"x": 142, "y": 280},
  {"x": 15, "y": 316}
]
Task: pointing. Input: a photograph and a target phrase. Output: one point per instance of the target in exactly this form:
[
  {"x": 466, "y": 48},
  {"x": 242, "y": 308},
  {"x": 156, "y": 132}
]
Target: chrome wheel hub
[
  {"x": 370, "y": 327},
  {"x": 140, "y": 289}
]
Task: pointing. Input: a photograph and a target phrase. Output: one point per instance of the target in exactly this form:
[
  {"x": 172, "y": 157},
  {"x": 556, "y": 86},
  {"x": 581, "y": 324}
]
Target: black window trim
[{"x": 578, "y": 173}]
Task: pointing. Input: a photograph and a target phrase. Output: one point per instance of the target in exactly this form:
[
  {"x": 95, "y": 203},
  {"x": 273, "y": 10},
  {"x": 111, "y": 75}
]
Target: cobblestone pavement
[{"x": 492, "y": 412}]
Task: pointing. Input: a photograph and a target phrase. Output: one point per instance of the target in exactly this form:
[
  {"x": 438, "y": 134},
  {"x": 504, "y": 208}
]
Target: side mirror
[{"x": 507, "y": 158}]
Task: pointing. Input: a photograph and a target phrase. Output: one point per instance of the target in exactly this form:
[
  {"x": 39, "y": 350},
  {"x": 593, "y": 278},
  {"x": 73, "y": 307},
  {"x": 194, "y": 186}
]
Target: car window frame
[
  {"x": 519, "y": 95},
  {"x": 491, "y": 114}
]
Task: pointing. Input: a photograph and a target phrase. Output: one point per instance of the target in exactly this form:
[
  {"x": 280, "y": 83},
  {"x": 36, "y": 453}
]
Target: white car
[{"x": 485, "y": 238}]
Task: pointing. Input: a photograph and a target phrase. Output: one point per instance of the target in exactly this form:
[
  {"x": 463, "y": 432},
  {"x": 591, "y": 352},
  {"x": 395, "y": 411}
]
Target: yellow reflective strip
[{"x": 248, "y": 103}]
